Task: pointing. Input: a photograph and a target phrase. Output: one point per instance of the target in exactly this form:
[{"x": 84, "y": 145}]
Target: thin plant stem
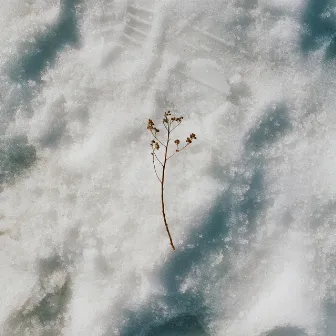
[
  {"x": 155, "y": 168},
  {"x": 176, "y": 126},
  {"x": 157, "y": 139},
  {"x": 179, "y": 150},
  {"x": 162, "y": 187},
  {"x": 158, "y": 160}
]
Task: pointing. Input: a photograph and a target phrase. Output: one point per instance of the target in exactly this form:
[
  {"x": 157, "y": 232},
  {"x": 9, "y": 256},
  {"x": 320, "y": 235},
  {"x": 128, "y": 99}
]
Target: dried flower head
[
  {"x": 188, "y": 140},
  {"x": 177, "y": 141},
  {"x": 150, "y": 124}
]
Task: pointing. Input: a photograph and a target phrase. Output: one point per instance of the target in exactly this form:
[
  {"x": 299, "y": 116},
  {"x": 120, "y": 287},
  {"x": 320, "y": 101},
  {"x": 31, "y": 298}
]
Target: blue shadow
[
  {"x": 43, "y": 52},
  {"x": 285, "y": 331},
  {"x": 49, "y": 311},
  {"x": 318, "y": 28},
  {"x": 16, "y": 155},
  {"x": 272, "y": 126}
]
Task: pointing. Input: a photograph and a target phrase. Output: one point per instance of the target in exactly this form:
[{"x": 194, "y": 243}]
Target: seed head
[
  {"x": 150, "y": 124},
  {"x": 188, "y": 140},
  {"x": 157, "y": 146},
  {"x": 177, "y": 141}
]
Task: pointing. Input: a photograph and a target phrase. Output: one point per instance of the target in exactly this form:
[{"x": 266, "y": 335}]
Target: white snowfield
[{"x": 250, "y": 204}]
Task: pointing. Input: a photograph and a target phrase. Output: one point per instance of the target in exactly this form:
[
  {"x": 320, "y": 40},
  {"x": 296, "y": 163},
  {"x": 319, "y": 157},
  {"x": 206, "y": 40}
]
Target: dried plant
[{"x": 170, "y": 123}]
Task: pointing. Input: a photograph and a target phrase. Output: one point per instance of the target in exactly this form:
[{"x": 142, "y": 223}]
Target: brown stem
[
  {"x": 158, "y": 159},
  {"x": 156, "y": 138},
  {"x": 176, "y": 126},
  {"x": 179, "y": 150},
  {"x": 162, "y": 182},
  {"x": 155, "y": 167}
]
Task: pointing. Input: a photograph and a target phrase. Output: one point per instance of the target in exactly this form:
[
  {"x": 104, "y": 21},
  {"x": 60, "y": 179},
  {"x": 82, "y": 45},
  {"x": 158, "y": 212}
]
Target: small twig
[
  {"x": 178, "y": 151},
  {"x": 155, "y": 168},
  {"x": 176, "y": 126},
  {"x": 158, "y": 159},
  {"x": 167, "y": 122},
  {"x": 157, "y": 139},
  {"x": 162, "y": 201}
]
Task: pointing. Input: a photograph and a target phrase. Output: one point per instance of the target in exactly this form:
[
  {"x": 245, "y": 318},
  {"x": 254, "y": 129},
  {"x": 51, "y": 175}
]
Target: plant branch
[
  {"x": 176, "y": 126},
  {"x": 155, "y": 169},
  {"x": 167, "y": 122},
  {"x": 157, "y": 139},
  {"x": 162, "y": 184},
  {"x": 179, "y": 150},
  {"x": 157, "y": 159}
]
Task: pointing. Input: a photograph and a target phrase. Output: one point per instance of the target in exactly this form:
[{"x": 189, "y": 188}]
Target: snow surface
[{"x": 250, "y": 205}]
